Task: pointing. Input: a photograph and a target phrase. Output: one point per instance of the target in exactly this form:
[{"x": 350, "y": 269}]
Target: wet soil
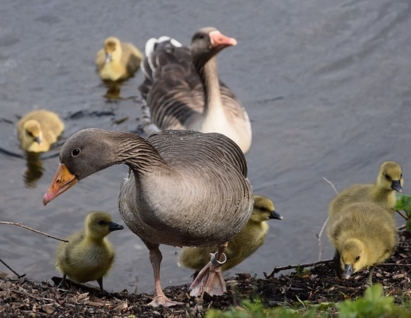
[{"x": 20, "y": 297}]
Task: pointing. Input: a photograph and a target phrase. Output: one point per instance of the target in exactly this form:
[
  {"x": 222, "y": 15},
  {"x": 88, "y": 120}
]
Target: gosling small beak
[
  {"x": 37, "y": 139},
  {"x": 396, "y": 185},
  {"x": 108, "y": 57},
  {"x": 348, "y": 270},
  {"x": 275, "y": 215},
  {"x": 115, "y": 227}
]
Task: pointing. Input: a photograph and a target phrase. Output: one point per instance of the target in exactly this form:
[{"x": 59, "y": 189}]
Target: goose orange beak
[
  {"x": 219, "y": 39},
  {"x": 63, "y": 180}
]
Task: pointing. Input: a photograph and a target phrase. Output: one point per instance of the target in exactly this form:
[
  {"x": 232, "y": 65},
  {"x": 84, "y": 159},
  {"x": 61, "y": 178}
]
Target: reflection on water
[
  {"x": 34, "y": 169},
  {"x": 113, "y": 90}
]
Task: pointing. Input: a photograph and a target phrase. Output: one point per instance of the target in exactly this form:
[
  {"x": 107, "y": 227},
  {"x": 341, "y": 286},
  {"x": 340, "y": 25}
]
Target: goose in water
[
  {"x": 241, "y": 245},
  {"x": 88, "y": 255},
  {"x": 382, "y": 192},
  {"x": 363, "y": 235},
  {"x": 183, "y": 91},
  {"x": 38, "y": 130},
  {"x": 184, "y": 188},
  {"x": 117, "y": 61}
]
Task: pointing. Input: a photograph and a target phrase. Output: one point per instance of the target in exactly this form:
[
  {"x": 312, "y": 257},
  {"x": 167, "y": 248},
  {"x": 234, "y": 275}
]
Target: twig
[
  {"x": 31, "y": 229},
  {"x": 403, "y": 216},
  {"x": 19, "y": 276},
  {"x": 281, "y": 268},
  {"x": 319, "y": 235}
]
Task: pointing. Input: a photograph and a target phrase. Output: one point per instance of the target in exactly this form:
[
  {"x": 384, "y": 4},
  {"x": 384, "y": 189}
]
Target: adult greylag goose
[
  {"x": 183, "y": 91},
  {"x": 117, "y": 61},
  {"x": 382, "y": 192},
  {"x": 88, "y": 255},
  {"x": 38, "y": 130},
  {"x": 184, "y": 188},
  {"x": 241, "y": 245}
]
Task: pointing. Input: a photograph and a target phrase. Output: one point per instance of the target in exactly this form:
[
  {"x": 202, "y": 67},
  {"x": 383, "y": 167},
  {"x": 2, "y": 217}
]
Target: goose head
[
  {"x": 32, "y": 132},
  {"x": 112, "y": 48},
  {"x": 264, "y": 210},
  {"x": 84, "y": 153},
  {"x": 99, "y": 224},
  {"x": 353, "y": 257},
  {"x": 207, "y": 42},
  {"x": 390, "y": 176}
]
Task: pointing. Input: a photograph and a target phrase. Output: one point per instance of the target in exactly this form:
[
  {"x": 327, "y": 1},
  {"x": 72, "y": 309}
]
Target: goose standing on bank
[
  {"x": 382, "y": 192},
  {"x": 184, "y": 188},
  {"x": 241, "y": 245},
  {"x": 363, "y": 235},
  {"x": 117, "y": 61},
  {"x": 183, "y": 91},
  {"x": 38, "y": 130},
  {"x": 88, "y": 255}
]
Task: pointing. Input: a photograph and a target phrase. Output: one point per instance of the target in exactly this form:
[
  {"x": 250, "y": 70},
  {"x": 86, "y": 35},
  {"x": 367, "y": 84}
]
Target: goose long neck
[
  {"x": 209, "y": 78},
  {"x": 138, "y": 154}
]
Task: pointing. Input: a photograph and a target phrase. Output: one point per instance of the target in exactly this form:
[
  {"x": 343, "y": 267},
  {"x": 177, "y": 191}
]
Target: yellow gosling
[
  {"x": 117, "y": 61},
  {"x": 363, "y": 235},
  {"x": 382, "y": 192},
  {"x": 240, "y": 246},
  {"x": 38, "y": 130},
  {"x": 89, "y": 255}
]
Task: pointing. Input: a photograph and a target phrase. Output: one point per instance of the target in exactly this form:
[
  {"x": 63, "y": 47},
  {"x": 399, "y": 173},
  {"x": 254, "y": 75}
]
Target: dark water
[{"x": 327, "y": 85}]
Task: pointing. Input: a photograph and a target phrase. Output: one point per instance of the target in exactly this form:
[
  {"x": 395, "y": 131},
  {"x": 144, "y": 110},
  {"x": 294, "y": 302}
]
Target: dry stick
[
  {"x": 320, "y": 247},
  {"x": 19, "y": 276},
  {"x": 31, "y": 229},
  {"x": 403, "y": 216},
  {"x": 281, "y": 268}
]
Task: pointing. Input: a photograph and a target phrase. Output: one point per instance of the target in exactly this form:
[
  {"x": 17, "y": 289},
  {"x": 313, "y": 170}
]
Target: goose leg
[
  {"x": 100, "y": 283},
  {"x": 369, "y": 279},
  {"x": 210, "y": 279},
  {"x": 160, "y": 299}
]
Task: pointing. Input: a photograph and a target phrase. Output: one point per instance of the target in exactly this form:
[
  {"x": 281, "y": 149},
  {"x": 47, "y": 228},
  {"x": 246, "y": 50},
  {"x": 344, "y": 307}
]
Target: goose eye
[
  {"x": 101, "y": 222},
  {"x": 75, "y": 152},
  {"x": 263, "y": 209},
  {"x": 357, "y": 258},
  {"x": 387, "y": 177}
]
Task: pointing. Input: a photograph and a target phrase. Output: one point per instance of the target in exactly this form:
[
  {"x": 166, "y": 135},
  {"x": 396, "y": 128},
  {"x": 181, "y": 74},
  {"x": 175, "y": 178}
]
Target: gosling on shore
[
  {"x": 38, "y": 130},
  {"x": 382, "y": 192},
  {"x": 89, "y": 255},
  {"x": 363, "y": 235},
  {"x": 240, "y": 246}
]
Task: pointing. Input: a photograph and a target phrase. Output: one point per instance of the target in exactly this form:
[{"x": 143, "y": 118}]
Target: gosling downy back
[
  {"x": 89, "y": 255},
  {"x": 240, "y": 246},
  {"x": 117, "y": 61},
  {"x": 363, "y": 235},
  {"x": 382, "y": 192},
  {"x": 38, "y": 130}
]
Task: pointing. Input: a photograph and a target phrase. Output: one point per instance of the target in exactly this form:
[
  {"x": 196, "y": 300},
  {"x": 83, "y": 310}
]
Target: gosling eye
[
  {"x": 387, "y": 177},
  {"x": 101, "y": 222},
  {"x": 30, "y": 134},
  {"x": 357, "y": 258},
  {"x": 75, "y": 152},
  {"x": 263, "y": 209}
]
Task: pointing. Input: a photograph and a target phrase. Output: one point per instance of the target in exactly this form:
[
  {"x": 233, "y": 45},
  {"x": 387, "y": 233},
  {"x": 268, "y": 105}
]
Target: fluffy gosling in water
[
  {"x": 382, "y": 192},
  {"x": 89, "y": 255},
  {"x": 241, "y": 245},
  {"x": 363, "y": 235},
  {"x": 38, "y": 130},
  {"x": 117, "y": 61}
]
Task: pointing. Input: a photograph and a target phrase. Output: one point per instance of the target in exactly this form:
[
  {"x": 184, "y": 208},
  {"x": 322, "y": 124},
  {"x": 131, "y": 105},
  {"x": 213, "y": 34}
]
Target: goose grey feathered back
[
  {"x": 175, "y": 92},
  {"x": 200, "y": 197}
]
